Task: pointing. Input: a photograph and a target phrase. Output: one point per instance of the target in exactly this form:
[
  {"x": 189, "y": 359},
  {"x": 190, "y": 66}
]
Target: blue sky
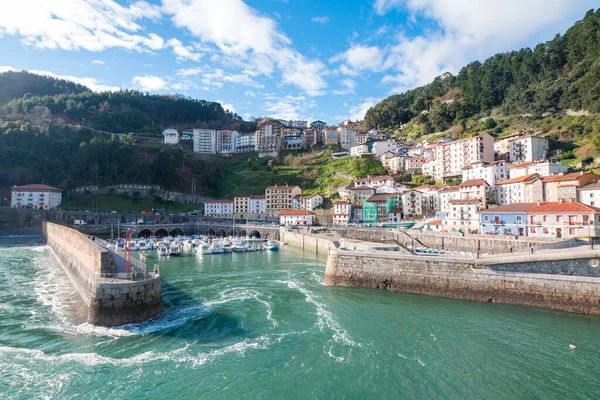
[{"x": 293, "y": 59}]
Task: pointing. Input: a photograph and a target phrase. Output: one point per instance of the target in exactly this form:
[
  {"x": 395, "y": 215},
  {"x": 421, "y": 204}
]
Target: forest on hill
[
  {"x": 561, "y": 74},
  {"x": 23, "y": 94}
]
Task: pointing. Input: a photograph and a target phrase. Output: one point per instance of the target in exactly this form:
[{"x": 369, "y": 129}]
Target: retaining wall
[
  {"x": 312, "y": 243},
  {"x": 465, "y": 279},
  {"x": 111, "y": 302}
]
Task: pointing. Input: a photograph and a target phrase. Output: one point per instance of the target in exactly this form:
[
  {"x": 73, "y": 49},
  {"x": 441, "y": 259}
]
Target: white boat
[
  {"x": 238, "y": 248},
  {"x": 216, "y": 248},
  {"x": 227, "y": 248},
  {"x": 205, "y": 248},
  {"x": 163, "y": 251},
  {"x": 250, "y": 247},
  {"x": 196, "y": 242},
  {"x": 272, "y": 245},
  {"x": 174, "y": 250},
  {"x": 142, "y": 245},
  {"x": 132, "y": 245}
]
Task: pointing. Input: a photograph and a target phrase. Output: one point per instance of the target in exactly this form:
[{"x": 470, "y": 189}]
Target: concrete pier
[{"x": 111, "y": 299}]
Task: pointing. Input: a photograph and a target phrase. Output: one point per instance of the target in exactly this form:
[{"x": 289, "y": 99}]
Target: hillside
[
  {"x": 26, "y": 96},
  {"x": 519, "y": 89}
]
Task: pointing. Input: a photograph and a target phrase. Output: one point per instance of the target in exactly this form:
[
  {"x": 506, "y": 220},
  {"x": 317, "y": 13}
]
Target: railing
[{"x": 138, "y": 268}]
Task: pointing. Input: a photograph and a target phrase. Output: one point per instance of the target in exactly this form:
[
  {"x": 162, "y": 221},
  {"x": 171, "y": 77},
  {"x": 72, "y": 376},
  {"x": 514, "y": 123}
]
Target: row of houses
[{"x": 277, "y": 199}]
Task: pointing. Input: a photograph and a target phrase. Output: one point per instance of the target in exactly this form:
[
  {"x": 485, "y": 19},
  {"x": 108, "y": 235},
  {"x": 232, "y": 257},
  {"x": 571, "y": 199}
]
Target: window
[
  {"x": 533, "y": 229},
  {"x": 545, "y": 218},
  {"x": 591, "y": 195},
  {"x": 486, "y": 218},
  {"x": 546, "y": 231},
  {"x": 559, "y": 218},
  {"x": 572, "y": 231},
  {"x": 532, "y": 219}
]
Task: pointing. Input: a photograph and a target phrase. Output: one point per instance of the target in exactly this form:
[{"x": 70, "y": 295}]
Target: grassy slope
[{"x": 314, "y": 173}]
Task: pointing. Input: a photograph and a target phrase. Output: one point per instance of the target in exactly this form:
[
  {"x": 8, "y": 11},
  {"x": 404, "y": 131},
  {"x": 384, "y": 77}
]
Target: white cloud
[
  {"x": 183, "y": 52},
  {"x": 468, "y": 31},
  {"x": 288, "y": 107},
  {"x": 348, "y": 86},
  {"x": 247, "y": 38},
  {"x": 149, "y": 83},
  {"x": 93, "y": 25},
  {"x": 250, "y": 93},
  {"x": 216, "y": 77},
  {"x": 227, "y": 106},
  {"x": 358, "y": 111},
  {"x": 99, "y": 62},
  {"x": 360, "y": 58},
  {"x": 320, "y": 20},
  {"x": 92, "y": 83}
]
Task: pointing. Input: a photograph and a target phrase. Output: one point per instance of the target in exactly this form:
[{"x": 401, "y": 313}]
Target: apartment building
[
  {"x": 563, "y": 220},
  {"x": 218, "y": 208},
  {"x": 510, "y": 219},
  {"x": 502, "y": 146},
  {"x": 268, "y": 138},
  {"x": 396, "y": 164},
  {"x": 447, "y": 194},
  {"x": 414, "y": 164},
  {"x": 307, "y": 202},
  {"x": 359, "y": 194},
  {"x": 412, "y": 204},
  {"x": 318, "y": 125},
  {"x": 38, "y": 196},
  {"x": 528, "y": 148},
  {"x": 205, "y": 141},
  {"x": 564, "y": 186},
  {"x": 462, "y": 215},
  {"x": 258, "y": 206},
  {"x": 226, "y": 141},
  {"x": 534, "y": 190},
  {"x": 241, "y": 205},
  {"x": 375, "y": 181},
  {"x": 296, "y": 218},
  {"x": 381, "y": 146},
  {"x": 542, "y": 169},
  {"x": 491, "y": 172},
  {"x": 475, "y": 189},
  {"x": 377, "y": 208},
  {"x": 245, "y": 142},
  {"x": 280, "y": 198},
  {"x": 431, "y": 199},
  {"x": 359, "y": 150},
  {"x": 342, "y": 212},
  {"x": 452, "y": 157},
  {"x": 309, "y": 137},
  {"x": 512, "y": 190},
  {"x": 385, "y": 157},
  {"x": 348, "y": 137},
  {"x": 331, "y": 137}
]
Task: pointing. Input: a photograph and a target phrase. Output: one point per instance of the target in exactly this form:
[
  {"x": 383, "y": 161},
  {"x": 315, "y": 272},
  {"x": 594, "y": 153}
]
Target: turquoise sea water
[{"x": 262, "y": 325}]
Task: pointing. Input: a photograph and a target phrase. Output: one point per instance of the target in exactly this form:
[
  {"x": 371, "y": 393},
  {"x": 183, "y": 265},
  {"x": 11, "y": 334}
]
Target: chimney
[{"x": 539, "y": 203}]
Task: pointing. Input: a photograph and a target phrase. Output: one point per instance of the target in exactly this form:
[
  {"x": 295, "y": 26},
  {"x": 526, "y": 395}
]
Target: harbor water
[{"x": 262, "y": 325}]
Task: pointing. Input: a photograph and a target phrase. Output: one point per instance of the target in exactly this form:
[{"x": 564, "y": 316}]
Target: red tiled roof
[
  {"x": 525, "y": 164},
  {"x": 381, "y": 197},
  {"x": 342, "y": 202},
  {"x": 566, "y": 177},
  {"x": 473, "y": 182},
  {"x": 590, "y": 186},
  {"x": 35, "y": 186},
  {"x": 295, "y": 212},
  {"x": 258, "y": 196},
  {"x": 558, "y": 207},
  {"x": 509, "y": 208},
  {"x": 450, "y": 189},
  {"x": 396, "y": 211},
  {"x": 285, "y": 187},
  {"x": 436, "y": 222},
  {"x": 517, "y": 179}
]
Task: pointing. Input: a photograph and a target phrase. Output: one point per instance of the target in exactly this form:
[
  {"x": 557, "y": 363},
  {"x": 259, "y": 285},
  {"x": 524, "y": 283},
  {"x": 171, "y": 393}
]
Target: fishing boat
[
  {"x": 205, "y": 248},
  {"x": 216, "y": 248},
  {"x": 238, "y": 248},
  {"x": 272, "y": 245},
  {"x": 163, "y": 251},
  {"x": 174, "y": 250}
]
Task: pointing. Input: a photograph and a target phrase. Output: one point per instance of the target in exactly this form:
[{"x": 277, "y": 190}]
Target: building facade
[
  {"x": 528, "y": 148},
  {"x": 268, "y": 139},
  {"x": 342, "y": 212},
  {"x": 218, "y": 208},
  {"x": 170, "y": 136},
  {"x": 378, "y": 207},
  {"x": 307, "y": 202},
  {"x": 280, "y": 198},
  {"x": 563, "y": 220},
  {"x": 296, "y": 218},
  {"x": 412, "y": 204},
  {"x": 512, "y": 190},
  {"x": 510, "y": 219},
  {"x": 452, "y": 157},
  {"x": 205, "y": 141},
  {"x": 37, "y": 196}
]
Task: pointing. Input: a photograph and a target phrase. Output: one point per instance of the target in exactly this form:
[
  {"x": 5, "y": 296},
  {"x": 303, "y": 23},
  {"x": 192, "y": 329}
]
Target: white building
[
  {"x": 226, "y": 141},
  {"x": 542, "y": 169},
  {"x": 218, "y": 208},
  {"x": 412, "y": 204},
  {"x": 359, "y": 150},
  {"x": 528, "y": 148},
  {"x": 342, "y": 211},
  {"x": 452, "y": 157},
  {"x": 385, "y": 157},
  {"x": 431, "y": 199},
  {"x": 396, "y": 164},
  {"x": 382, "y": 146},
  {"x": 491, "y": 172},
  {"x": 170, "y": 136},
  {"x": 307, "y": 201},
  {"x": 589, "y": 194},
  {"x": 348, "y": 137},
  {"x": 205, "y": 141},
  {"x": 414, "y": 164},
  {"x": 447, "y": 194},
  {"x": 296, "y": 217},
  {"x": 395, "y": 216},
  {"x": 294, "y": 123},
  {"x": 463, "y": 215},
  {"x": 502, "y": 146},
  {"x": 245, "y": 142},
  {"x": 268, "y": 138},
  {"x": 510, "y": 191},
  {"x": 38, "y": 196},
  {"x": 428, "y": 168},
  {"x": 374, "y": 182},
  {"x": 258, "y": 205}
]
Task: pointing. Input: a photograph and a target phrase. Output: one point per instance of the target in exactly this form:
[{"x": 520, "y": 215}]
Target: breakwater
[
  {"x": 530, "y": 280},
  {"x": 93, "y": 270}
]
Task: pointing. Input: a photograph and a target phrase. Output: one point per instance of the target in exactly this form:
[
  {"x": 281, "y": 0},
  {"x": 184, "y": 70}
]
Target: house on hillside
[
  {"x": 378, "y": 207},
  {"x": 170, "y": 136}
]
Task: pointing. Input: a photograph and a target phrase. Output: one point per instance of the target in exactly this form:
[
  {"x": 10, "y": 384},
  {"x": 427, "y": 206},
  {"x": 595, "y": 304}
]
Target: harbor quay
[{"x": 113, "y": 291}]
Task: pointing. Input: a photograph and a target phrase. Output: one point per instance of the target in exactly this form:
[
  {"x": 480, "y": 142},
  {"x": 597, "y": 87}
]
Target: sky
[{"x": 289, "y": 59}]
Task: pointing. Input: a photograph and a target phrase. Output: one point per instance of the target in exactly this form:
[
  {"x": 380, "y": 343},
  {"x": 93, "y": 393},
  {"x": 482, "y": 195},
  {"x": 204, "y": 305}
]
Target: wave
[
  {"x": 40, "y": 249},
  {"x": 235, "y": 294}
]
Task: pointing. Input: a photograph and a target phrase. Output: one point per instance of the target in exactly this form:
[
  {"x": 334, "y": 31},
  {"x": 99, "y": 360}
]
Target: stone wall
[
  {"x": 111, "y": 302},
  {"x": 442, "y": 240},
  {"x": 310, "y": 243},
  {"x": 463, "y": 279}
]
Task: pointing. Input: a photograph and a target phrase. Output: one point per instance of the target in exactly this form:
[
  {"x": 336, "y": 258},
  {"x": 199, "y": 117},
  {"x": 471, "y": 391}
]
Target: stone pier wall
[
  {"x": 464, "y": 279},
  {"x": 111, "y": 302},
  {"x": 309, "y": 243}
]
